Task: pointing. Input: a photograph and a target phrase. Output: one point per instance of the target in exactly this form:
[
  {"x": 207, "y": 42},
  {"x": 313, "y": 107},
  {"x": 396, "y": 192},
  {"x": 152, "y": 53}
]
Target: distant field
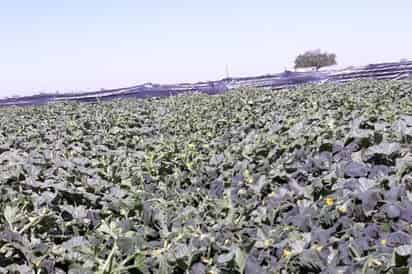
[
  {"x": 287, "y": 79},
  {"x": 314, "y": 179}
]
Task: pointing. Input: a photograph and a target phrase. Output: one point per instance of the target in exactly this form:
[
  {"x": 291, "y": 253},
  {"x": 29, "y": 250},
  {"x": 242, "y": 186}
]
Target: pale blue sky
[{"x": 49, "y": 45}]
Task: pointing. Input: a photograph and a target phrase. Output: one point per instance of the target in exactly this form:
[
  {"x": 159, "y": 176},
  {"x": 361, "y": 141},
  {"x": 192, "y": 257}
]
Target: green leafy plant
[{"x": 314, "y": 179}]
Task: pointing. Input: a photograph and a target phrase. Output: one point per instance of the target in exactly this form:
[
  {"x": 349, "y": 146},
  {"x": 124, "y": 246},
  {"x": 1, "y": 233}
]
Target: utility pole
[{"x": 227, "y": 71}]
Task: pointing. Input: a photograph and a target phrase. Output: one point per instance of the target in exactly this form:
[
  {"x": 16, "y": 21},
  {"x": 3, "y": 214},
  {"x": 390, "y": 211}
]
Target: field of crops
[{"x": 317, "y": 179}]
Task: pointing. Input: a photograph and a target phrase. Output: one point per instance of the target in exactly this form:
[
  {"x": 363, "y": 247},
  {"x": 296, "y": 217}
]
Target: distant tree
[{"x": 315, "y": 59}]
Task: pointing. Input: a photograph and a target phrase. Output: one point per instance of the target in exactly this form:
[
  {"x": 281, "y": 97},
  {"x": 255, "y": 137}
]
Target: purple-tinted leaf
[
  {"x": 252, "y": 266},
  {"x": 198, "y": 268},
  {"x": 399, "y": 238},
  {"x": 392, "y": 211},
  {"x": 406, "y": 214},
  {"x": 217, "y": 189},
  {"x": 370, "y": 199},
  {"x": 372, "y": 231},
  {"x": 355, "y": 170}
]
